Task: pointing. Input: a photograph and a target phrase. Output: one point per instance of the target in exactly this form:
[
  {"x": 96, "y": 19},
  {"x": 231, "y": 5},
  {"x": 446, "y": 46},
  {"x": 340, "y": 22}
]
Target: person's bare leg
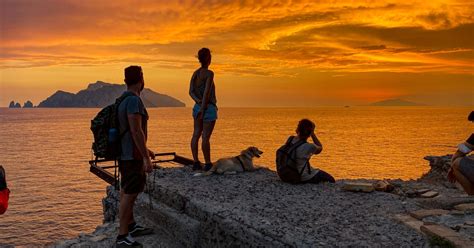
[
  {"x": 132, "y": 218},
  {"x": 126, "y": 211},
  {"x": 195, "y": 139},
  {"x": 208, "y": 127},
  {"x": 465, "y": 183}
]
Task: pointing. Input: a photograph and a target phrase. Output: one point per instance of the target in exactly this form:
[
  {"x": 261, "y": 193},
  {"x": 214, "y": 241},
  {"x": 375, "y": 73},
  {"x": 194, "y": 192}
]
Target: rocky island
[
  {"x": 395, "y": 102},
  {"x": 258, "y": 210},
  {"x": 14, "y": 104},
  {"x": 101, "y": 94}
]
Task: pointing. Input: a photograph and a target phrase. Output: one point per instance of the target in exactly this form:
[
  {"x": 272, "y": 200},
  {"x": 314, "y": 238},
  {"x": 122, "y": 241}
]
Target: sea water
[{"x": 54, "y": 196}]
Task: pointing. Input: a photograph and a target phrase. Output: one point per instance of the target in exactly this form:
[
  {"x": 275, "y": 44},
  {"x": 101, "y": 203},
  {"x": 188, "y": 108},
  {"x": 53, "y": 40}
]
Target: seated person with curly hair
[{"x": 462, "y": 166}]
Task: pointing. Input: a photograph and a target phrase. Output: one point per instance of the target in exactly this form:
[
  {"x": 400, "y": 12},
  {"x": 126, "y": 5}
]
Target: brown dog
[{"x": 240, "y": 163}]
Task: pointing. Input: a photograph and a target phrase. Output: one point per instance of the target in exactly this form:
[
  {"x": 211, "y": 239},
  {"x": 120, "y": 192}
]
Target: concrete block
[
  {"x": 422, "y": 213},
  {"x": 465, "y": 207},
  {"x": 446, "y": 234},
  {"x": 181, "y": 227},
  {"x": 429, "y": 194}
]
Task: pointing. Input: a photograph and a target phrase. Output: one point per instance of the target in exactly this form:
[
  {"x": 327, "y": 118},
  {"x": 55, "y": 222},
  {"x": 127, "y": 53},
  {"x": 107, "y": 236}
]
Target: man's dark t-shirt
[{"x": 130, "y": 105}]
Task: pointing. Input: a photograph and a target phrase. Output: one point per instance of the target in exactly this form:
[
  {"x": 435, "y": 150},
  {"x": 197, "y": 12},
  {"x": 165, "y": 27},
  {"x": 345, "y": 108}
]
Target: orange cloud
[{"x": 249, "y": 39}]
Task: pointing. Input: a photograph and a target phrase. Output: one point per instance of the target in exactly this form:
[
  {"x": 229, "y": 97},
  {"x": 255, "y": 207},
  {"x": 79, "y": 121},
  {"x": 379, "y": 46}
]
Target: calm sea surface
[{"x": 45, "y": 153}]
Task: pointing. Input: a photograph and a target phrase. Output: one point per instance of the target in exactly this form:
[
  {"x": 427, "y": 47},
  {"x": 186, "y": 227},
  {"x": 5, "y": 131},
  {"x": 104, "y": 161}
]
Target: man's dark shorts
[{"x": 133, "y": 176}]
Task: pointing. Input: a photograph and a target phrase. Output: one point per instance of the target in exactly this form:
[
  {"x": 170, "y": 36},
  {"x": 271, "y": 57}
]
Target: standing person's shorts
[
  {"x": 210, "y": 114},
  {"x": 133, "y": 176},
  {"x": 466, "y": 167}
]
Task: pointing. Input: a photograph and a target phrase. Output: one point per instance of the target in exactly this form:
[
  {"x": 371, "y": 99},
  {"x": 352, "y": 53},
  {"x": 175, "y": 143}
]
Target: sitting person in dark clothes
[
  {"x": 4, "y": 191},
  {"x": 304, "y": 152},
  {"x": 462, "y": 166}
]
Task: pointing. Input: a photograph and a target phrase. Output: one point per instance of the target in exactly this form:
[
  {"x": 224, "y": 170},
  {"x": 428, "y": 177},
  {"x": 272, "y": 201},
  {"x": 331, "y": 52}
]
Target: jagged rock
[
  {"x": 384, "y": 186},
  {"x": 110, "y": 204},
  {"x": 439, "y": 169},
  {"x": 14, "y": 105},
  {"x": 101, "y": 94},
  {"x": 28, "y": 104}
]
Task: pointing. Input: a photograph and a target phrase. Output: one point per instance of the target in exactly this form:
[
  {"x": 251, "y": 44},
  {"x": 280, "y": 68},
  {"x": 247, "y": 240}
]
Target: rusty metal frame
[{"x": 102, "y": 173}]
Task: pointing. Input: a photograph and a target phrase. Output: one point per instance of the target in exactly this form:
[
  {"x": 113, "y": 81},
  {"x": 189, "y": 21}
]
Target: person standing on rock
[
  {"x": 462, "y": 166},
  {"x": 135, "y": 158},
  {"x": 203, "y": 91}
]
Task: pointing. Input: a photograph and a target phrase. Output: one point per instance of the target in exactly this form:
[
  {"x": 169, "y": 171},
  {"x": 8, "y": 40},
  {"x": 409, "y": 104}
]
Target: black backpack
[
  {"x": 286, "y": 162},
  {"x": 104, "y": 124}
]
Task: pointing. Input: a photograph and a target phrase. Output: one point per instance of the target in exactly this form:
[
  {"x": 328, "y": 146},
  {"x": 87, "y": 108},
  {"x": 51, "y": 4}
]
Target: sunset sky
[{"x": 265, "y": 53}]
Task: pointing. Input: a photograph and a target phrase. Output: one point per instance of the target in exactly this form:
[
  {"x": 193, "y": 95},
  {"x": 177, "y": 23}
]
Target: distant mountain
[
  {"x": 101, "y": 94},
  {"x": 395, "y": 102}
]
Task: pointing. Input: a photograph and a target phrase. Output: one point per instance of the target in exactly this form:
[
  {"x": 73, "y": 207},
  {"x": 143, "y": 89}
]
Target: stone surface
[
  {"x": 257, "y": 209},
  {"x": 409, "y": 221},
  {"x": 465, "y": 207},
  {"x": 422, "y": 213},
  {"x": 358, "y": 187}
]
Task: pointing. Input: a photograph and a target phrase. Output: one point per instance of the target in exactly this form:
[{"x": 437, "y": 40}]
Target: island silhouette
[{"x": 101, "y": 94}]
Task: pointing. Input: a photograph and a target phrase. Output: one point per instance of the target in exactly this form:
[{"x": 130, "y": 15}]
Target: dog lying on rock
[{"x": 232, "y": 165}]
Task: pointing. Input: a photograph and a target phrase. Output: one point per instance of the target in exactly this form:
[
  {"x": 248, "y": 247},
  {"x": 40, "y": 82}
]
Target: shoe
[
  {"x": 197, "y": 166},
  {"x": 207, "y": 167},
  {"x": 127, "y": 241},
  {"x": 3, "y": 180},
  {"x": 138, "y": 230}
]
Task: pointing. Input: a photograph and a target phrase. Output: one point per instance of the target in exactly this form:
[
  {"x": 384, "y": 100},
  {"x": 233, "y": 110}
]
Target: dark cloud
[
  {"x": 440, "y": 19},
  {"x": 374, "y": 47}
]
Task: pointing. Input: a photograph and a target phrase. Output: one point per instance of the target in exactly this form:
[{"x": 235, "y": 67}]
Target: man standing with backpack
[{"x": 135, "y": 157}]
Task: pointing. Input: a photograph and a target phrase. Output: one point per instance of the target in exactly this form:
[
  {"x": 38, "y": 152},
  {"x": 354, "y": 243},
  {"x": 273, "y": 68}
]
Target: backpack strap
[
  {"x": 294, "y": 147},
  {"x": 118, "y": 101}
]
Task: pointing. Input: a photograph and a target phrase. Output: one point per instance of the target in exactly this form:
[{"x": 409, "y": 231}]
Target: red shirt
[{"x": 4, "y": 196}]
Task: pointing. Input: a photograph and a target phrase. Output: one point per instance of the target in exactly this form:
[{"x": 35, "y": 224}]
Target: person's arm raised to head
[
  {"x": 319, "y": 146},
  {"x": 191, "y": 89},
  {"x": 207, "y": 90}
]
